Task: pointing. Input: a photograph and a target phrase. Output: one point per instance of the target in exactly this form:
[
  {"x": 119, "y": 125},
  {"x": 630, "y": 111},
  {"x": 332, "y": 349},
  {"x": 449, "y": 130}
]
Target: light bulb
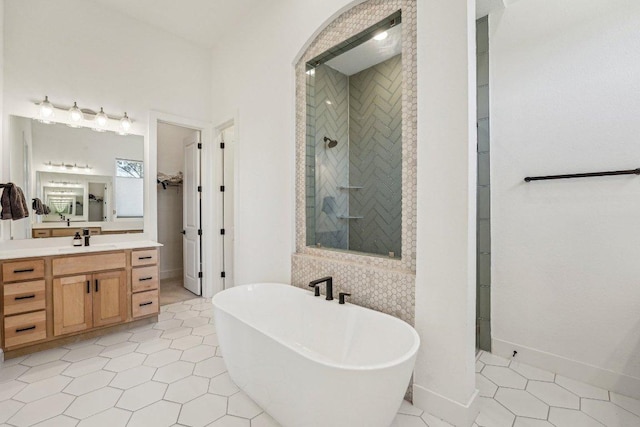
[
  {"x": 125, "y": 124},
  {"x": 76, "y": 116},
  {"x": 101, "y": 121},
  {"x": 45, "y": 111},
  {"x": 383, "y": 35}
]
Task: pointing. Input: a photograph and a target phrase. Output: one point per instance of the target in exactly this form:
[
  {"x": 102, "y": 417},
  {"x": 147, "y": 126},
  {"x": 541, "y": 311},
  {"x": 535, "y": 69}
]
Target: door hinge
[
  {"x": 200, "y": 232},
  {"x": 199, "y": 188},
  {"x": 222, "y": 145},
  {"x": 222, "y": 231},
  {"x": 222, "y": 188},
  {"x": 199, "y": 145},
  {"x": 200, "y": 275},
  {"x": 222, "y": 274}
]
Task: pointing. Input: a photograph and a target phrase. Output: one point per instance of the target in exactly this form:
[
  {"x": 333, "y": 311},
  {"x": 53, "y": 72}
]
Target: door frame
[
  {"x": 211, "y": 283},
  {"x": 219, "y": 129}
]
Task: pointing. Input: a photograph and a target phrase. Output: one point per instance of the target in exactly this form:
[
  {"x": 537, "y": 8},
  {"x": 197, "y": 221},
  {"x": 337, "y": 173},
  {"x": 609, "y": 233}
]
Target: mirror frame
[{"x": 331, "y": 36}]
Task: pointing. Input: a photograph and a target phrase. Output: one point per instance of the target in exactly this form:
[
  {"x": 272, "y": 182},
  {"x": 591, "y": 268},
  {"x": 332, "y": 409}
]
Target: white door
[
  {"x": 228, "y": 137},
  {"x": 191, "y": 247}
]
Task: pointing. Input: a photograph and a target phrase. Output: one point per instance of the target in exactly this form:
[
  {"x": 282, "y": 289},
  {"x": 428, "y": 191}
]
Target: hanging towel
[
  {"x": 14, "y": 205},
  {"x": 38, "y": 207}
]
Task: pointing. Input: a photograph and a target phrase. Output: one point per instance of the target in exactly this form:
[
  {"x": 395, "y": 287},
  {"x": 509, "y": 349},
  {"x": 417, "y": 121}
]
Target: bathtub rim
[{"x": 411, "y": 353}]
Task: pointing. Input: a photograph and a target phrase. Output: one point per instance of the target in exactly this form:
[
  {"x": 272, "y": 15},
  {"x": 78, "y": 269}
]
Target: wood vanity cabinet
[
  {"x": 23, "y": 308},
  {"x": 144, "y": 283},
  {"x": 90, "y": 297},
  {"x": 63, "y": 231},
  {"x": 90, "y": 300},
  {"x": 48, "y": 301}
]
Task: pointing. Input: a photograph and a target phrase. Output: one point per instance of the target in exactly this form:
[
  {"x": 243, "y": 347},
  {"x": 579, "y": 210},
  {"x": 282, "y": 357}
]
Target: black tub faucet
[
  {"x": 341, "y": 296},
  {"x": 316, "y": 289},
  {"x": 329, "y": 281}
]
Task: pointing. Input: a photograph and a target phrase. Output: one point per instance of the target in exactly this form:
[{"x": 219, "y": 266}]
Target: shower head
[{"x": 331, "y": 142}]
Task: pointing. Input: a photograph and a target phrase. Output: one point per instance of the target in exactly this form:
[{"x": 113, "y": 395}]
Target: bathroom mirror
[
  {"x": 353, "y": 169},
  {"x": 86, "y": 179}
]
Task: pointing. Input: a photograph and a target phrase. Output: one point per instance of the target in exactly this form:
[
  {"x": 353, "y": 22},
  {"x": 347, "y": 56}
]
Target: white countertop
[
  {"x": 71, "y": 250},
  {"x": 104, "y": 225}
]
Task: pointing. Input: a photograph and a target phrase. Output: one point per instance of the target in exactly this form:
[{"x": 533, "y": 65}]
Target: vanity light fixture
[
  {"x": 46, "y": 111},
  {"x": 66, "y": 166},
  {"x": 125, "y": 125},
  {"x": 101, "y": 119},
  {"x": 64, "y": 183},
  {"x": 75, "y": 115},
  {"x": 381, "y": 36}
]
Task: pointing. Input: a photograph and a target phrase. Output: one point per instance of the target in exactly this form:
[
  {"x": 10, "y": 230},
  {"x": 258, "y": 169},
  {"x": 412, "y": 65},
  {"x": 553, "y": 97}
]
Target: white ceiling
[
  {"x": 202, "y": 22},
  {"x": 369, "y": 53}
]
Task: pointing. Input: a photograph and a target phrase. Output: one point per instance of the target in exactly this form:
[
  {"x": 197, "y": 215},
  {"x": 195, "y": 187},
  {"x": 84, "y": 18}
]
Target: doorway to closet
[{"x": 179, "y": 212}]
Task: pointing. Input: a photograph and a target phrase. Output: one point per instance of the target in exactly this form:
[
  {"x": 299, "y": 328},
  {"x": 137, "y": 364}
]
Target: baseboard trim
[
  {"x": 603, "y": 378},
  {"x": 171, "y": 274},
  {"x": 456, "y": 413}
]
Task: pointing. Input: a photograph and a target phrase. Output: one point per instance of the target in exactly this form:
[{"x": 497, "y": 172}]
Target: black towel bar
[{"x": 583, "y": 175}]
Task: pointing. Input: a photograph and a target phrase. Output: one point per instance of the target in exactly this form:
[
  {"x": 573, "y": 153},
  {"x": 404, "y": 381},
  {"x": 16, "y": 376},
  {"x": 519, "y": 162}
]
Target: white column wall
[{"x": 444, "y": 379}]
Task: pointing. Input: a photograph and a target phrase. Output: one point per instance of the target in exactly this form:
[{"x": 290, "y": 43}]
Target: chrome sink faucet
[{"x": 329, "y": 281}]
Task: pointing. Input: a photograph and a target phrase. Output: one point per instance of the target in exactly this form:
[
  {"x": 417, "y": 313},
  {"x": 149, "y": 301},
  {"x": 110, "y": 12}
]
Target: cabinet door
[
  {"x": 71, "y": 304},
  {"x": 109, "y": 298}
]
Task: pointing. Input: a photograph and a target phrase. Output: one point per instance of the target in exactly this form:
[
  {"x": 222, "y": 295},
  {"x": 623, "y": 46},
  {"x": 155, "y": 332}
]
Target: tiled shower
[
  {"x": 483, "y": 247},
  {"x": 357, "y": 182}
]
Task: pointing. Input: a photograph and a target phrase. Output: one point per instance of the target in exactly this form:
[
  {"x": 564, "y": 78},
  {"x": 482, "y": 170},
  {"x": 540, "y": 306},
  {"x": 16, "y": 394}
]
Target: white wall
[
  {"x": 74, "y": 50},
  {"x": 564, "y": 99},
  {"x": 61, "y": 144},
  {"x": 170, "y": 201},
  {"x": 256, "y": 85},
  {"x": 444, "y": 379},
  {"x": 4, "y": 158},
  {"x": 255, "y": 81}
]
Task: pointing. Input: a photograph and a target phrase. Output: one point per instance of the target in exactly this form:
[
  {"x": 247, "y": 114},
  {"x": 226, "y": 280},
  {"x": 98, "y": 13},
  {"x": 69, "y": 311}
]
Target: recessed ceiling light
[{"x": 383, "y": 35}]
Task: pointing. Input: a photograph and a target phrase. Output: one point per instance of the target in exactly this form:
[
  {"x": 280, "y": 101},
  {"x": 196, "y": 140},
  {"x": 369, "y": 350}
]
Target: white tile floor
[{"x": 171, "y": 373}]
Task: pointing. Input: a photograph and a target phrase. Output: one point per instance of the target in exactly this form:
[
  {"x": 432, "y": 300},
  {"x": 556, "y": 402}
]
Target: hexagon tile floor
[{"x": 171, "y": 374}]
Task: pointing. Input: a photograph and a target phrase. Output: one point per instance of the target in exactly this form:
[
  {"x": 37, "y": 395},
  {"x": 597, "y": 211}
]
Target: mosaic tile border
[
  {"x": 387, "y": 291},
  {"x": 347, "y": 25}
]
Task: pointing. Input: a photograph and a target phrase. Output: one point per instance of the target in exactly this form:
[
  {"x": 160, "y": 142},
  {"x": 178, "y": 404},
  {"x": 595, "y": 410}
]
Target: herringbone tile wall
[
  {"x": 375, "y": 158},
  {"x": 332, "y": 164}
]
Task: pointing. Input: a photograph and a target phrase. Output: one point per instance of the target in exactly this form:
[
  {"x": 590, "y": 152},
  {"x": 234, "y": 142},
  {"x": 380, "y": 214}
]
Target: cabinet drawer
[
  {"x": 23, "y": 297},
  {"x": 25, "y": 328},
  {"x": 144, "y": 303},
  {"x": 23, "y": 270},
  {"x": 41, "y": 233},
  {"x": 88, "y": 263},
  {"x": 144, "y": 278},
  {"x": 146, "y": 257}
]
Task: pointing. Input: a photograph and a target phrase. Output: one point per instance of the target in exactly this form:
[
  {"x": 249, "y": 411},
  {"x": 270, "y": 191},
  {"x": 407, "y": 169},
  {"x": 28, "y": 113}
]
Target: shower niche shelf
[
  {"x": 350, "y": 217},
  {"x": 350, "y": 187}
]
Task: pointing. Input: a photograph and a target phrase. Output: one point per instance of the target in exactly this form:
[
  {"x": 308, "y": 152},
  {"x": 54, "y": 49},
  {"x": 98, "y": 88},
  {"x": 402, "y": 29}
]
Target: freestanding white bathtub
[{"x": 309, "y": 362}]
